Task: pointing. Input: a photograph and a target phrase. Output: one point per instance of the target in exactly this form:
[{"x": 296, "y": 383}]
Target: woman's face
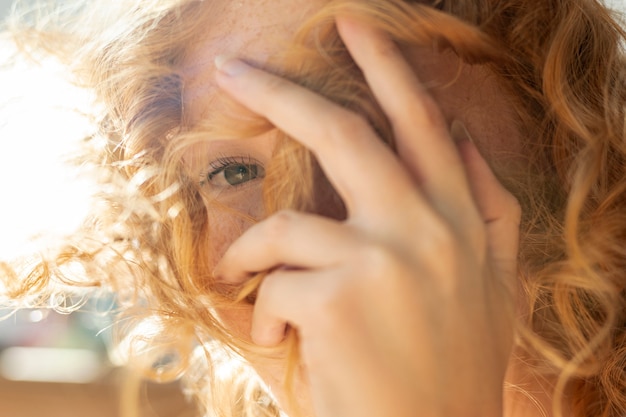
[{"x": 231, "y": 171}]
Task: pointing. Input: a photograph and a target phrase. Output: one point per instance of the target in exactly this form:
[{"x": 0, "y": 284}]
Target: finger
[
  {"x": 498, "y": 208},
  {"x": 420, "y": 129},
  {"x": 363, "y": 170},
  {"x": 283, "y": 300},
  {"x": 288, "y": 238}
]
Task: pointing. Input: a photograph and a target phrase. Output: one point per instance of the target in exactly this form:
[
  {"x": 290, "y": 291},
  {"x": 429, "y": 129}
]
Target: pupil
[{"x": 238, "y": 174}]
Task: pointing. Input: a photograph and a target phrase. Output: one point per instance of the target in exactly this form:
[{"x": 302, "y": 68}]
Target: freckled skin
[
  {"x": 250, "y": 29},
  {"x": 254, "y": 30}
]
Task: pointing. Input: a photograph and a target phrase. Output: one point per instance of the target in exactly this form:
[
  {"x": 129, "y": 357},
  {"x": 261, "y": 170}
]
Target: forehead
[
  {"x": 257, "y": 29},
  {"x": 249, "y": 29}
]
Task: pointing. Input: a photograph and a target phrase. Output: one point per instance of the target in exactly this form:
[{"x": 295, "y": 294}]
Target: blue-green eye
[{"x": 231, "y": 172}]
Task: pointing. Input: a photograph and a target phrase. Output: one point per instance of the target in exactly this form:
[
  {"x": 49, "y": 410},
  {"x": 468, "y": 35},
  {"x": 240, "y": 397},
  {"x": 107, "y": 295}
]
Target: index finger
[
  {"x": 365, "y": 172},
  {"x": 421, "y": 132}
]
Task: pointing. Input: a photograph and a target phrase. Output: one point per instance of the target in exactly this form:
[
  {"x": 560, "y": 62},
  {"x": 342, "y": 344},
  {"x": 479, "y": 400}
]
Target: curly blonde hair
[{"x": 561, "y": 64}]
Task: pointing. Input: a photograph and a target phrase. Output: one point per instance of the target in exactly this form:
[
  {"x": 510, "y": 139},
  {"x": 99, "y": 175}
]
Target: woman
[{"x": 394, "y": 284}]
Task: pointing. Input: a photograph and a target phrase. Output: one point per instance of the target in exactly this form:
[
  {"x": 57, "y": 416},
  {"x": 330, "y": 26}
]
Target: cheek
[
  {"x": 228, "y": 218},
  {"x": 224, "y": 228},
  {"x": 225, "y": 225}
]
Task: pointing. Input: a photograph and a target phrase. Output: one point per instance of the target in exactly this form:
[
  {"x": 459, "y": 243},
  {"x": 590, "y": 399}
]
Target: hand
[{"x": 406, "y": 307}]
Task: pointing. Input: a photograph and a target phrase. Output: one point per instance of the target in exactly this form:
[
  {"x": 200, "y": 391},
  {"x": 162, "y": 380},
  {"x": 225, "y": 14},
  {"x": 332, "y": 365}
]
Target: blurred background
[{"x": 51, "y": 364}]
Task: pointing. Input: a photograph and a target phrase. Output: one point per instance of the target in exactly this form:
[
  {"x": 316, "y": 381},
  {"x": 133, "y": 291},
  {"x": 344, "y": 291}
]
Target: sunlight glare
[{"x": 41, "y": 195}]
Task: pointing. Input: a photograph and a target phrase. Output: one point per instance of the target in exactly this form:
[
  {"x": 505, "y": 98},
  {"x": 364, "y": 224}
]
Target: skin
[
  {"x": 410, "y": 300},
  {"x": 263, "y": 27}
]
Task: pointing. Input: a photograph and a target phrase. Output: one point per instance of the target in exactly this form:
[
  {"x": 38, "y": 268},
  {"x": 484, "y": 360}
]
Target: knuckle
[
  {"x": 480, "y": 239},
  {"x": 474, "y": 232},
  {"x": 328, "y": 302},
  {"x": 441, "y": 239},
  {"x": 379, "y": 264},
  {"x": 376, "y": 259},
  {"x": 386, "y": 272},
  {"x": 514, "y": 208},
  {"x": 441, "y": 251},
  {"x": 346, "y": 124},
  {"x": 275, "y": 86},
  {"x": 278, "y": 225},
  {"x": 478, "y": 245}
]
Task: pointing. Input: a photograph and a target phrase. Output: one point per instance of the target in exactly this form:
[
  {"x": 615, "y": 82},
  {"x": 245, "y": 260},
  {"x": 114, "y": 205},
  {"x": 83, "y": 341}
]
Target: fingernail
[
  {"x": 230, "y": 66},
  {"x": 459, "y": 132}
]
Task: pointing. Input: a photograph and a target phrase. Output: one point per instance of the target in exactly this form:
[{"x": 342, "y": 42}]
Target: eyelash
[{"x": 222, "y": 163}]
